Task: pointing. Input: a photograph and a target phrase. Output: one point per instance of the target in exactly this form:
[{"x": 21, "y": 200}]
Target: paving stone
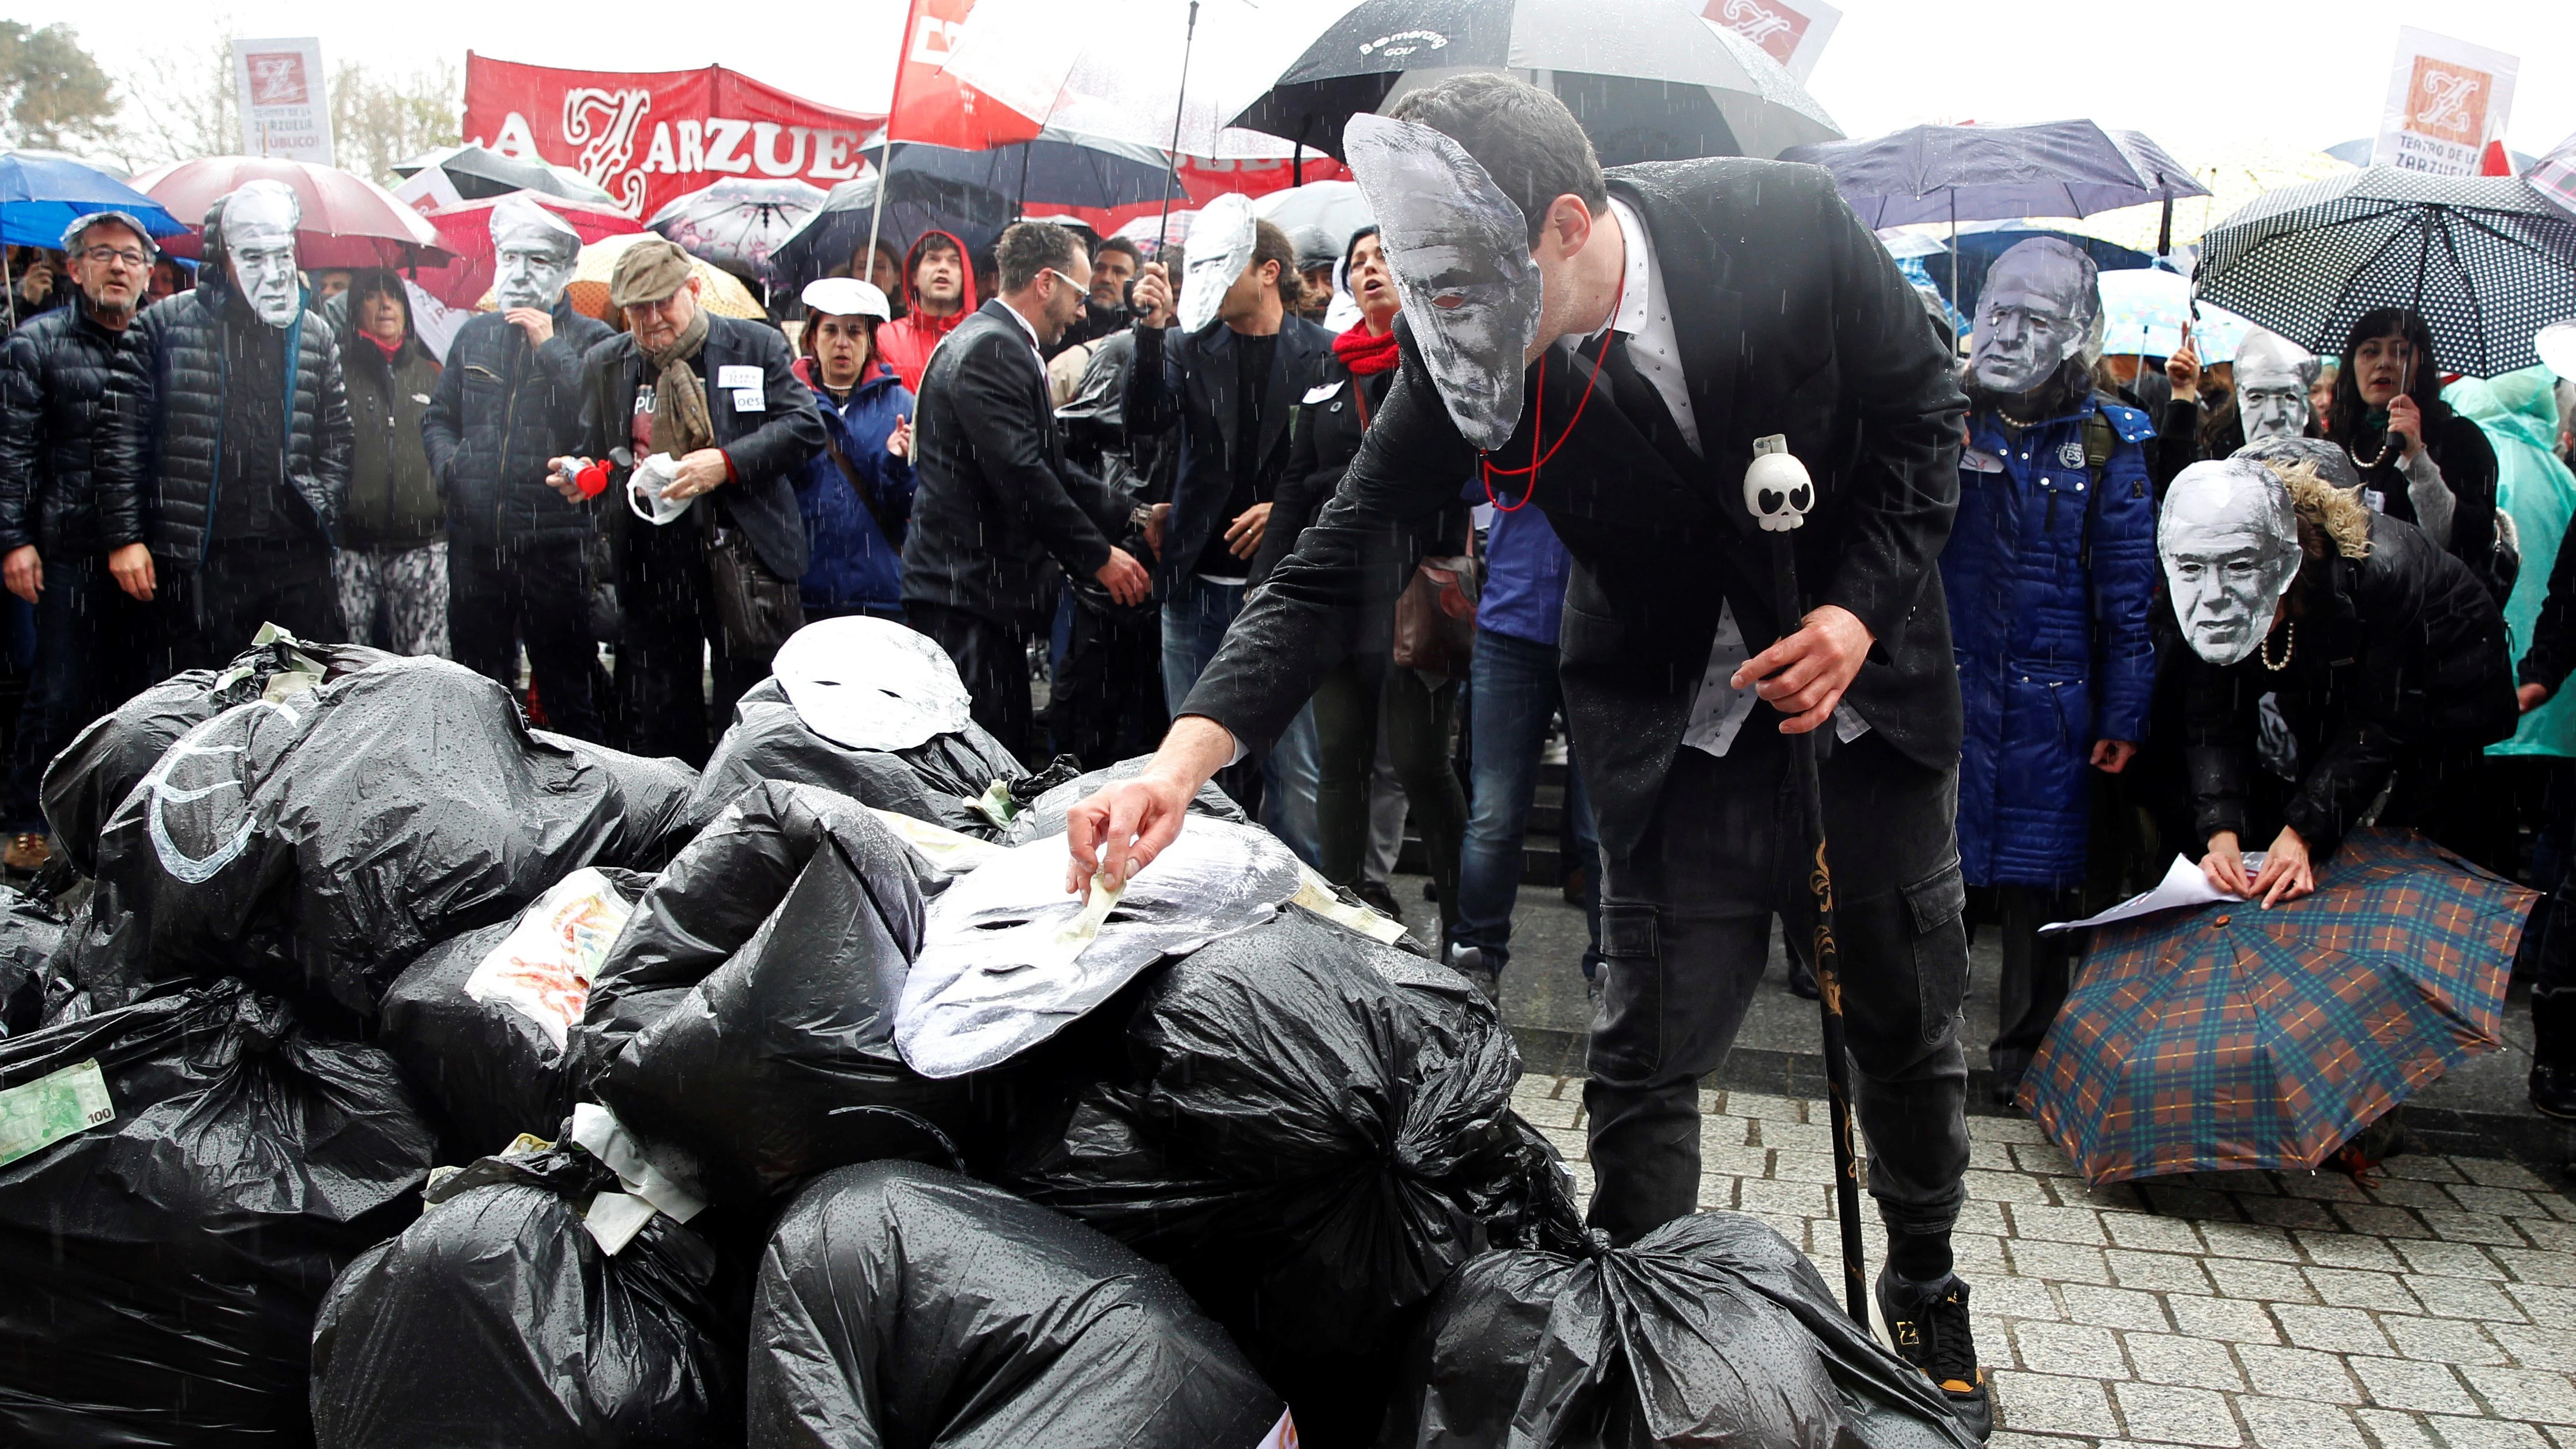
[
  {"x": 2381, "y": 1221},
  {"x": 2290, "y": 1212},
  {"x": 1754, "y": 1104},
  {"x": 2176, "y": 1416},
  {"x": 2485, "y": 1433},
  {"x": 1734, "y": 1159},
  {"x": 2113, "y": 1307},
  {"x": 1803, "y": 1167},
  {"x": 2272, "y": 1282},
  {"x": 1716, "y": 1132},
  {"x": 2044, "y": 1158},
  {"x": 2165, "y": 1358},
  {"x": 2411, "y": 1192},
  {"x": 2395, "y": 1429},
  {"x": 1568, "y": 1142},
  {"x": 2555, "y": 1270},
  {"x": 2504, "y": 1202},
  {"x": 2058, "y": 1262},
  {"x": 2525, "y": 1393},
  {"x": 2015, "y": 1298},
  {"x": 2498, "y": 1172},
  {"x": 1801, "y": 1199},
  {"x": 2158, "y": 1272},
  {"x": 1977, "y": 1257},
  {"x": 2109, "y": 1197},
  {"x": 2010, "y": 1187},
  {"x": 2548, "y": 1233},
  {"x": 2248, "y": 1240},
  {"x": 2394, "y": 1383},
  {"x": 2070, "y": 1348},
  {"x": 2007, "y": 1439},
  {"x": 2336, "y": 1330},
  {"x": 2298, "y": 1373},
  {"x": 2553, "y": 1349},
  {"x": 1997, "y": 1157},
  {"x": 2462, "y": 1298},
  {"x": 2557, "y": 1204},
  {"x": 2056, "y": 1224},
  {"x": 2440, "y": 1340},
  {"x": 2005, "y": 1129},
  {"x": 2546, "y": 1303},
  {"x": 2472, "y": 1228},
  {"x": 2060, "y": 1405},
  {"x": 2294, "y": 1424},
  {"x": 2422, "y": 1166},
  {"x": 2151, "y": 1233},
  {"x": 1717, "y": 1194},
  {"x": 1546, "y": 1111},
  {"x": 2232, "y": 1319},
  {"x": 2239, "y": 1182},
  {"x": 1988, "y": 1217},
  {"x": 2449, "y": 1260},
  {"x": 2349, "y": 1250},
  {"x": 2197, "y": 1204},
  {"x": 2346, "y": 1288},
  {"x": 1797, "y": 1136},
  {"x": 2322, "y": 1186}
]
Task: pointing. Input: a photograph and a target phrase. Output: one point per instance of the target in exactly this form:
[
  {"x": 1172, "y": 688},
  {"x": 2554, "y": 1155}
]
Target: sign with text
[
  {"x": 285, "y": 99},
  {"x": 1793, "y": 31},
  {"x": 2446, "y": 100}
]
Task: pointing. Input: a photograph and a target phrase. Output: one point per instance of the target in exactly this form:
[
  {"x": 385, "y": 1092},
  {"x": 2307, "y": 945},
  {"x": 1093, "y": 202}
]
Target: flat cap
[{"x": 648, "y": 271}]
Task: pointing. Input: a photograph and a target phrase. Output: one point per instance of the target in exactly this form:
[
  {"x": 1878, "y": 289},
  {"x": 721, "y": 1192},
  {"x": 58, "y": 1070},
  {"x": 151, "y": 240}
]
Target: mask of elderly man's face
[
  {"x": 533, "y": 258},
  {"x": 2271, "y": 388},
  {"x": 2230, "y": 547},
  {"x": 259, "y": 250},
  {"x": 2037, "y": 311},
  {"x": 1459, "y": 249},
  {"x": 1220, "y": 247},
  {"x": 2332, "y": 463}
]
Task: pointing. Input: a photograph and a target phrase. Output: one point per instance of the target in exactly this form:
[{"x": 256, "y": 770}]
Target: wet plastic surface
[{"x": 934, "y": 780}]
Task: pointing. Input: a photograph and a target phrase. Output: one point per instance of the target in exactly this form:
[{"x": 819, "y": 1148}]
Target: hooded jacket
[
  {"x": 851, "y": 563},
  {"x": 393, "y": 500},
  {"x": 54, "y": 376},
  {"x": 162, "y": 451},
  {"x": 905, "y": 344},
  {"x": 501, "y": 409},
  {"x": 2520, "y": 418}
]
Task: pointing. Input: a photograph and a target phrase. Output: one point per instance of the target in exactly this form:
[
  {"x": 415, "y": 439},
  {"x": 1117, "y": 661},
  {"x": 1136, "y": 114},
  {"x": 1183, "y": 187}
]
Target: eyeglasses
[
  {"x": 1068, "y": 281},
  {"x": 102, "y": 256}
]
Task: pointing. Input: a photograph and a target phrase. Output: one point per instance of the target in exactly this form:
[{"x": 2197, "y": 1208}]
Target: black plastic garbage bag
[
  {"x": 904, "y": 1307},
  {"x": 743, "y": 1025},
  {"x": 481, "y": 1021},
  {"x": 108, "y": 757},
  {"x": 1044, "y": 815},
  {"x": 159, "y": 1271},
  {"x": 1711, "y": 1329},
  {"x": 322, "y": 841},
  {"x": 498, "y": 1318},
  {"x": 32, "y": 989},
  {"x": 937, "y": 780}
]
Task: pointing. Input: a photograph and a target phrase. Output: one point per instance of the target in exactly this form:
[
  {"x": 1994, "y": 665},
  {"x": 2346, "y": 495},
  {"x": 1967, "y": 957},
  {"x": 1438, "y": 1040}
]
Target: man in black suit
[
  {"x": 1686, "y": 310},
  {"x": 997, "y": 498}
]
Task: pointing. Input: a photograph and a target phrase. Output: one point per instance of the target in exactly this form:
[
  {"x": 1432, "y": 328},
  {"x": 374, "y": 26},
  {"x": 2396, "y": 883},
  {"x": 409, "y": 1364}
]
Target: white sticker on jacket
[
  {"x": 1322, "y": 391},
  {"x": 738, "y": 374},
  {"x": 750, "y": 400}
]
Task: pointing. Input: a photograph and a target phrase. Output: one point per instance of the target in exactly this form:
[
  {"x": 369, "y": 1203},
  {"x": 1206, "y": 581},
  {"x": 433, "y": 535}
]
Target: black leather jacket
[
  {"x": 54, "y": 376},
  {"x": 501, "y": 409}
]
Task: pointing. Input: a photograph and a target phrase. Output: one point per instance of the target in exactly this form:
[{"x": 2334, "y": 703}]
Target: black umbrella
[
  {"x": 2485, "y": 259},
  {"x": 1059, "y": 168},
  {"x": 1649, "y": 79},
  {"x": 916, "y": 202},
  {"x": 479, "y": 173}
]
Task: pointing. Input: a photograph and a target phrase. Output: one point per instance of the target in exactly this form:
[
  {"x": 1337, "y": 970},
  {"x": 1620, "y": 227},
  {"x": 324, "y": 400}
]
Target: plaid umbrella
[{"x": 2229, "y": 1036}]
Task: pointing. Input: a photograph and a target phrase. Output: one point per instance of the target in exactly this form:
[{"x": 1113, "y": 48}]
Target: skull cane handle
[{"x": 1777, "y": 490}]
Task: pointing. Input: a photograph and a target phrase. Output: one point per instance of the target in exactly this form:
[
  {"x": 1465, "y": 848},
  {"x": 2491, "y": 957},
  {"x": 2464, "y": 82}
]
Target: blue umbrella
[
  {"x": 1059, "y": 168},
  {"x": 1976, "y": 247},
  {"x": 41, "y": 196}
]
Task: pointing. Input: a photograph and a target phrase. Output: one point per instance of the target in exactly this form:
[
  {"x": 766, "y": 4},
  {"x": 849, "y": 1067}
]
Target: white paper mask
[
  {"x": 1459, "y": 249},
  {"x": 2042, "y": 305},
  {"x": 871, "y": 684},
  {"x": 2272, "y": 378},
  {"x": 2230, "y": 544},
  {"x": 259, "y": 224},
  {"x": 533, "y": 253},
  {"x": 644, "y": 490},
  {"x": 2332, "y": 463},
  {"x": 1219, "y": 248},
  {"x": 1006, "y": 962}
]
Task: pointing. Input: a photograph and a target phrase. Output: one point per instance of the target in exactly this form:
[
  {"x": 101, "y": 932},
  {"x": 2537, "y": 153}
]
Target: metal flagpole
[
  {"x": 1180, "y": 103},
  {"x": 885, "y": 160}
]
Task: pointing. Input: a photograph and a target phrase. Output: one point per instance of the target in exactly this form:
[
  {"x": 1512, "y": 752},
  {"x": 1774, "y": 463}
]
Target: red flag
[
  {"x": 932, "y": 106},
  {"x": 2495, "y": 162}
]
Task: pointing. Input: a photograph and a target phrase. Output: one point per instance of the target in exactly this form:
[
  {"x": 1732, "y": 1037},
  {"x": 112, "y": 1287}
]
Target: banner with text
[
  {"x": 2446, "y": 100},
  {"x": 648, "y": 136},
  {"x": 1794, "y": 31},
  {"x": 285, "y": 99}
]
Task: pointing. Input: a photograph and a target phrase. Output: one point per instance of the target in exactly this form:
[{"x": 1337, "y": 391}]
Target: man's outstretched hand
[
  {"x": 1804, "y": 675},
  {"x": 1119, "y": 831}
]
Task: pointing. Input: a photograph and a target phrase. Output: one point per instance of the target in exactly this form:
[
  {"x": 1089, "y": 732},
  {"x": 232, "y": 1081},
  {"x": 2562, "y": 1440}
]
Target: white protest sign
[
  {"x": 285, "y": 99},
  {"x": 2446, "y": 100}
]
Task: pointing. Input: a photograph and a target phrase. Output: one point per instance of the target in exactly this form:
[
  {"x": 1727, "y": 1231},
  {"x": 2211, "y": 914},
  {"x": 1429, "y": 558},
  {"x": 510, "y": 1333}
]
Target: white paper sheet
[{"x": 2183, "y": 885}]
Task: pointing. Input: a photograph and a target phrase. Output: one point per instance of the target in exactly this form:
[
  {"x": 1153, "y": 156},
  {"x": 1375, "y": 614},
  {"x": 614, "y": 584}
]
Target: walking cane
[{"x": 1778, "y": 492}]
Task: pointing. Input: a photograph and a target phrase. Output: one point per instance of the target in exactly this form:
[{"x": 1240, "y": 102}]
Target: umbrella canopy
[
  {"x": 719, "y": 291},
  {"x": 41, "y": 195},
  {"x": 466, "y": 231},
  {"x": 1986, "y": 173},
  {"x": 479, "y": 173},
  {"x": 739, "y": 222},
  {"x": 916, "y": 202},
  {"x": 1649, "y": 79},
  {"x": 2145, "y": 310},
  {"x": 2485, "y": 259},
  {"x": 348, "y": 220},
  {"x": 2229, "y": 1036},
  {"x": 1979, "y": 243},
  {"x": 2235, "y": 172},
  {"x": 1059, "y": 168}
]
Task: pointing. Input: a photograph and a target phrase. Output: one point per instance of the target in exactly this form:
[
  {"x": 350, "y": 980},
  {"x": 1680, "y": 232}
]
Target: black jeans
[
  {"x": 212, "y": 613},
  {"x": 673, "y": 644},
  {"x": 1418, "y": 717},
  {"x": 993, "y": 660},
  {"x": 1107, "y": 704},
  {"x": 532, "y": 592},
  {"x": 1686, "y": 928},
  {"x": 93, "y": 645}
]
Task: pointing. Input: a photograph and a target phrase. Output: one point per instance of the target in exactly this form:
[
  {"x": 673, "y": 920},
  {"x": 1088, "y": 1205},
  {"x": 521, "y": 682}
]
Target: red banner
[
  {"x": 933, "y": 107},
  {"x": 1207, "y": 180},
  {"x": 647, "y": 137}
]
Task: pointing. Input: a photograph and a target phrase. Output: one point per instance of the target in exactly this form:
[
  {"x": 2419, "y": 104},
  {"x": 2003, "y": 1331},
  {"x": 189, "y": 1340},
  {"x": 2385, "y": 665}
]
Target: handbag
[
  {"x": 1435, "y": 617},
  {"x": 889, "y": 523},
  {"x": 756, "y": 608}
]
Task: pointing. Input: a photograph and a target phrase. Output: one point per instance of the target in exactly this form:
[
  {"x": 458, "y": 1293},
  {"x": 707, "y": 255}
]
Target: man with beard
[
  {"x": 519, "y": 556},
  {"x": 85, "y": 569},
  {"x": 1613, "y": 350},
  {"x": 230, "y": 416},
  {"x": 941, "y": 292},
  {"x": 1114, "y": 265}
]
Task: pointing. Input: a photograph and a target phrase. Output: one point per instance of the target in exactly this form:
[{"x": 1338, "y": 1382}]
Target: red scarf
[
  {"x": 393, "y": 349},
  {"x": 1363, "y": 354}
]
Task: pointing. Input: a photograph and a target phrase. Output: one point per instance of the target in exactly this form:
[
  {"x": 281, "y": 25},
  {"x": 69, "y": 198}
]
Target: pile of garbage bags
[{"x": 394, "y": 1074}]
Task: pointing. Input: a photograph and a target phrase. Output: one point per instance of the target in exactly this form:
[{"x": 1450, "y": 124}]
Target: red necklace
[{"x": 1538, "y": 419}]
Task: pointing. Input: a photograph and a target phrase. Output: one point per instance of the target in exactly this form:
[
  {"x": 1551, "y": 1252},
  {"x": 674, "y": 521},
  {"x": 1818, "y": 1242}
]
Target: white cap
[
  {"x": 2556, "y": 345},
  {"x": 846, "y": 297}
]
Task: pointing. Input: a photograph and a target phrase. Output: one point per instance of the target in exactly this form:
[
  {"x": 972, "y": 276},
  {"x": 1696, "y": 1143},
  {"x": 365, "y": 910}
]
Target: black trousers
[
  {"x": 1348, "y": 704},
  {"x": 1686, "y": 928},
  {"x": 674, "y": 647},
  {"x": 211, "y": 614},
  {"x": 2037, "y": 972},
  {"x": 1107, "y": 704},
  {"x": 993, "y": 660},
  {"x": 93, "y": 648},
  {"x": 532, "y": 592}
]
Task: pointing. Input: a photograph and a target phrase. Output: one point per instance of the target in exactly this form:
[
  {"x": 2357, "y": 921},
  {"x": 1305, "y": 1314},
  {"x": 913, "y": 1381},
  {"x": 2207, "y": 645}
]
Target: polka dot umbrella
[{"x": 2485, "y": 259}]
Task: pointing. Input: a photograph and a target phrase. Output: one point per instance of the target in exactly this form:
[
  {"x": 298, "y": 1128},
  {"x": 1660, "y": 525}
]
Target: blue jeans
[
  {"x": 1282, "y": 788},
  {"x": 1513, "y": 696}
]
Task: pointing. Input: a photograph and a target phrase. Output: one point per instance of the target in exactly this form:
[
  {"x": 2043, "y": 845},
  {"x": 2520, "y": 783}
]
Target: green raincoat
[{"x": 2519, "y": 414}]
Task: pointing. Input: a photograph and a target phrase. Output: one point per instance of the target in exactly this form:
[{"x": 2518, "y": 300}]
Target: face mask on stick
[{"x": 1459, "y": 249}]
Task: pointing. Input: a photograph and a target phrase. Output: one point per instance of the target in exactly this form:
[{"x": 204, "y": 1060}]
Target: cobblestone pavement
[{"x": 2433, "y": 1310}]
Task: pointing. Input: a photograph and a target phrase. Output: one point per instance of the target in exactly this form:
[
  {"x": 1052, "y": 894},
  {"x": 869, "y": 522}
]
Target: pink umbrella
[
  {"x": 349, "y": 221},
  {"x": 465, "y": 231}
]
